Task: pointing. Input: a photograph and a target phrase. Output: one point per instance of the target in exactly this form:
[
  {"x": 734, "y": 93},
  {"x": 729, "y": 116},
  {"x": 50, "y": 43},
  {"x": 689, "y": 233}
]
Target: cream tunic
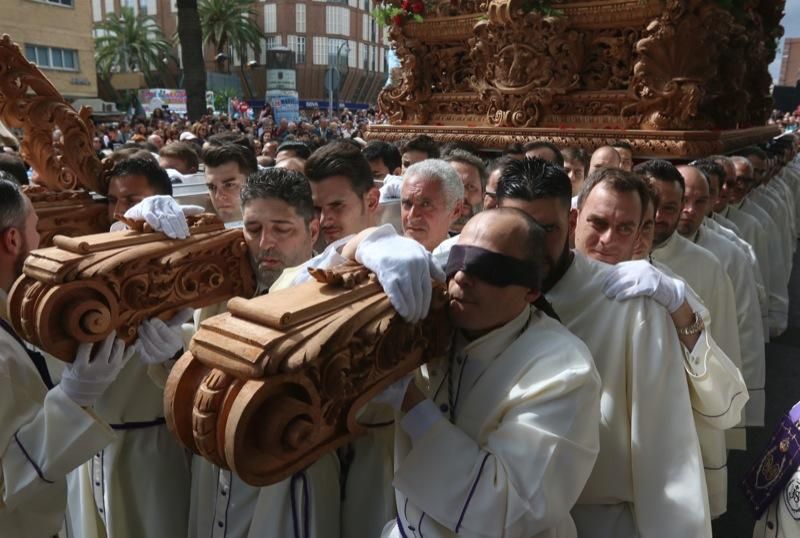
[
  {"x": 648, "y": 479},
  {"x": 523, "y": 443},
  {"x": 718, "y": 395},
  {"x": 43, "y": 436},
  {"x": 748, "y": 314},
  {"x": 769, "y": 256},
  {"x": 305, "y": 505},
  {"x": 779, "y": 213}
]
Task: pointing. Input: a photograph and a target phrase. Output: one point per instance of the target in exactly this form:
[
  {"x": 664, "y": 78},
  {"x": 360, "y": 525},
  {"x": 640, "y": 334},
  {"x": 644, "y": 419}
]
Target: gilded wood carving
[
  {"x": 83, "y": 288},
  {"x": 279, "y": 380},
  {"x": 29, "y": 101},
  {"x": 609, "y": 65}
]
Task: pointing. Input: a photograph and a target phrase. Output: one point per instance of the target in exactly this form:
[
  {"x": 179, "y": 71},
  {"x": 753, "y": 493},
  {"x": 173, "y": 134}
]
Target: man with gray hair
[
  {"x": 472, "y": 171},
  {"x": 431, "y": 200}
]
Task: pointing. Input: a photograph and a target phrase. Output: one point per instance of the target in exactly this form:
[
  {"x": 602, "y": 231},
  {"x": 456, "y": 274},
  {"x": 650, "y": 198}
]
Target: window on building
[
  {"x": 52, "y": 57},
  {"x": 298, "y": 45},
  {"x": 270, "y": 19},
  {"x": 97, "y": 11},
  {"x": 353, "y": 3},
  {"x": 337, "y": 50},
  {"x": 320, "y": 51},
  {"x": 352, "y": 54},
  {"x": 364, "y": 26},
  {"x": 300, "y": 18},
  {"x": 68, "y": 3},
  {"x": 337, "y": 20},
  {"x": 272, "y": 41},
  {"x": 366, "y": 5},
  {"x": 363, "y": 61}
]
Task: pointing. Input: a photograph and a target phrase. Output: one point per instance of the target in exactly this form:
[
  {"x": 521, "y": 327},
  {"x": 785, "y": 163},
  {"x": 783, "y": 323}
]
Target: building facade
[
  {"x": 790, "y": 62},
  {"x": 56, "y": 35},
  {"x": 319, "y": 32}
]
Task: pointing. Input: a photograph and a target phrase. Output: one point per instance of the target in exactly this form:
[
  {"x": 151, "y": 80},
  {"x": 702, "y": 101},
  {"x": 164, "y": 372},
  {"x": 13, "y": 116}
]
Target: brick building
[{"x": 316, "y": 30}]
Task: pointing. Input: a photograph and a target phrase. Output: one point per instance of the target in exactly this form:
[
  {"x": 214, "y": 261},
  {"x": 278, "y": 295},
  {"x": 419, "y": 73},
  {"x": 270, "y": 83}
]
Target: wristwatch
[{"x": 695, "y": 327}]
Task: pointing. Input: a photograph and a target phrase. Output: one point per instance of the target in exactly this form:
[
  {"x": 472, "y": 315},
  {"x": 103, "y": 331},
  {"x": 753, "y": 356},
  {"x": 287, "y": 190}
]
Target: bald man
[
  {"x": 696, "y": 204},
  {"x": 605, "y": 157},
  {"x": 499, "y": 438}
]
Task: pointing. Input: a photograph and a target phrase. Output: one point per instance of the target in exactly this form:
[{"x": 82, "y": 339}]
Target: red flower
[
  {"x": 417, "y": 8},
  {"x": 404, "y": 5},
  {"x": 397, "y": 20}
]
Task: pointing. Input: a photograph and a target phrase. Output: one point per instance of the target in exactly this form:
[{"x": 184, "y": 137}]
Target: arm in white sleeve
[
  {"x": 528, "y": 472},
  {"x": 43, "y": 442}
]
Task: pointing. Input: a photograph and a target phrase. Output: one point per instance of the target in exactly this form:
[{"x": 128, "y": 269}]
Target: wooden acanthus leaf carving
[
  {"x": 70, "y": 213},
  {"x": 30, "y": 102},
  {"x": 268, "y": 387},
  {"x": 84, "y": 287}
]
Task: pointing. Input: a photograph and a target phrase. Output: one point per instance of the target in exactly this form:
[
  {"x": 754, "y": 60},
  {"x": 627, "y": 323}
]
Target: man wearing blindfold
[
  {"x": 648, "y": 479},
  {"x": 498, "y": 438}
]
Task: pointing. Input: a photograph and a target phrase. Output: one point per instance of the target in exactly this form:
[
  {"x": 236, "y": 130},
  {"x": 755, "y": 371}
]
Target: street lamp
[{"x": 331, "y": 69}]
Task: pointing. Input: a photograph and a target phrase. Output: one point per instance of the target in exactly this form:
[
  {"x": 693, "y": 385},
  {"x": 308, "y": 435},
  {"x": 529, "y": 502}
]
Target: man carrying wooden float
[
  {"x": 498, "y": 438},
  {"x": 45, "y": 431}
]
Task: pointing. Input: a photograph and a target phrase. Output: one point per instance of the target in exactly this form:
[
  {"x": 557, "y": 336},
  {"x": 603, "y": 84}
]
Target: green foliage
[
  {"x": 221, "y": 98},
  {"x": 130, "y": 42},
  {"x": 231, "y": 24},
  {"x": 545, "y": 7}
]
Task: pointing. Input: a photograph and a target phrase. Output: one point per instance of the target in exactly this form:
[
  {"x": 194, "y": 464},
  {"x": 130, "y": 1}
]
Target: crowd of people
[{"x": 611, "y": 319}]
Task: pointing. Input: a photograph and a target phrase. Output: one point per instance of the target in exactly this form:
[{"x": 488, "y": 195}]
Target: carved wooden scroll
[
  {"x": 279, "y": 380},
  {"x": 83, "y": 288},
  {"x": 29, "y": 101},
  {"x": 70, "y": 213}
]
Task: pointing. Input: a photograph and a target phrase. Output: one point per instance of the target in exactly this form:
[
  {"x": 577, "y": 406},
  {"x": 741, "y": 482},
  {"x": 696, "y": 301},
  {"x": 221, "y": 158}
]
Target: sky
[{"x": 791, "y": 27}]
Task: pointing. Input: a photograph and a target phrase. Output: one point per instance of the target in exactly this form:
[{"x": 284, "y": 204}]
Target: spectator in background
[
  {"x": 418, "y": 149},
  {"x": 576, "y": 164},
  {"x": 384, "y": 159},
  {"x": 14, "y": 165}
]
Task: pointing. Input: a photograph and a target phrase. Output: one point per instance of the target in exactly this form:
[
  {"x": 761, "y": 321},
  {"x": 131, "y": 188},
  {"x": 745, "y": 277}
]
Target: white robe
[
  {"x": 43, "y": 436},
  {"x": 769, "y": 256},
  {"x": 731, "y": 232},
  {"x": 523, "y": 443},
  {"x": 779, "y": 213},
  {"x": 648, "y": 480},
  {"x": 748, "y": 315},
  {"x": 718, "y": 394},
  {"x": 305, "y": 505}
]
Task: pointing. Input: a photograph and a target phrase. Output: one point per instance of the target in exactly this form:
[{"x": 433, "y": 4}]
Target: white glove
[
  {"x": 403, "y": 267},
  {"x": 159, "y": 341},
  {"x": 165, "y": 215},
  {"x": 87, "y": 377},
  {"x": 394, "y": 394},
  {"x": 391, "y": 188},
  {"x": 639, "y": 278}
]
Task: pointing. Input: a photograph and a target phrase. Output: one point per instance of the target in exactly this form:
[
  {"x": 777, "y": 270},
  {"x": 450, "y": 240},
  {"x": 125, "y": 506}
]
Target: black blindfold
[{"x": 493, "y": 268}]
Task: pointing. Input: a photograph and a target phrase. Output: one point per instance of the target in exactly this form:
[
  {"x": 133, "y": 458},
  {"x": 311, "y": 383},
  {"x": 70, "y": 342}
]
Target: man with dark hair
[
  {"x": 696, "y": 206},
  {"x": 227, "y": 166},
  {"x": 418, "y": 149},
  {"x": 514, "y": 151},
  {"x": 652, "y": 445},
  {"x": 46, "y": 431},
  {"x": 696, "y": 265},
  {"x": 544, "y": 150},
  {"x": 625, "y": 151},
  {"x": 343, "y": 189},
  {"x": 180, "y": 156},
  {"x": 494, "y": 171},
  {"x": 472, "y": 172},
  {"x": 517, "y": 388},
  {"x": 133, "y": 180},
  {"x": 14, "y": 166},
  {"x": 290, "y": 149},
  {"x": 232, "y": 137},
  {"x": 608, "y": 216},
  {"x": 384, "y": 159},
  {"x": 576, "y": 164}
]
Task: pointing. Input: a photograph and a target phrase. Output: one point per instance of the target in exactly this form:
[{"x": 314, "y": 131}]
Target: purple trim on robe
[
  {"x": 299, "y": 476},
  {"x": 773, "y": 469},
  {"x": 471, "y": 492},
  {"x": 30, "y": 460}
]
